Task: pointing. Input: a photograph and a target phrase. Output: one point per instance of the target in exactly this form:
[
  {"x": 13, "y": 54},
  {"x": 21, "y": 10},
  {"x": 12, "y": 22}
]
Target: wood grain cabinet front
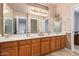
[
  {"x": 36, "y": 47},
  {"x": 25, "y": 50},
  {"x": 12, "y": 51},
  {"x": 32, "y": 47},
  {"x": 9, "y": 48},
  {"x": 57, "y": 39},
  {"x": 8, "y": 44},
  {"x": 53, "y": 47},
  {"x": 63, "y": 41},
  {"x": 45, "y": 46}
]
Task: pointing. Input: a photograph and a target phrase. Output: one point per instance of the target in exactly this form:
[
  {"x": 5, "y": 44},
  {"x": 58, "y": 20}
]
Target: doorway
[{"x": 75, "y": 29}]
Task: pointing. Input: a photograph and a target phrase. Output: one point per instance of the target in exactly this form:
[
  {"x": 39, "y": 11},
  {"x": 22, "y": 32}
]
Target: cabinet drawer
[
  {"x": 35, "y": 40},
  {"x": 8, "y": 44},
  {"x": 24, "y": 42},
  {"x": 45, "y": 39},
  {"x": 13, "y": 51}
]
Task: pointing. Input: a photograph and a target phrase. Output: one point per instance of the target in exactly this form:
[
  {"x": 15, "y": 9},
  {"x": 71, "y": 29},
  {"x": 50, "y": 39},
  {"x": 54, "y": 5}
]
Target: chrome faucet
[{"x": 28, "y": 34}]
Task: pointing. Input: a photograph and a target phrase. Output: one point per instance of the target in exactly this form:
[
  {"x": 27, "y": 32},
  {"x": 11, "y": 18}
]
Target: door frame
[{"x": 72, "y": 26}]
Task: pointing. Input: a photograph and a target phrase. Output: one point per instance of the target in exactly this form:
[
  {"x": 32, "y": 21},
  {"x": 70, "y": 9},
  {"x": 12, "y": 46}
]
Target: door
[
  {"x": 45, "y": 47},
  {"x": 25, "y": 50},
  {"x": 57, "y": 38},
  {"x": 35, "y": 49},
  {"x": 63, "y": 41},
  {"x": 52, "y": 43},
  {"x": 72, "y": 27}
]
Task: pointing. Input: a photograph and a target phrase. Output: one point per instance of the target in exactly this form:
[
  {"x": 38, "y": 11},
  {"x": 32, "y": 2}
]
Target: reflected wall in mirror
[
  {"x": 46, "y": 26},
  {"x": 33, "y": 26},
  {"x": 58, "y": 25},
  {"x": 1, "y": 19},
  {"x": 8, "y": 19},
  {"x": 42, "y": 26},
  {"x": 19, "y": 21},
  {"x": 8, "y": 26},
  {"x": 22, "y": 25}
]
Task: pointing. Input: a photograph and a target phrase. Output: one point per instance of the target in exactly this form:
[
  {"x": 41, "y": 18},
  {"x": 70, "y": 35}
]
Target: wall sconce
[{"x": 57, "y": 15}]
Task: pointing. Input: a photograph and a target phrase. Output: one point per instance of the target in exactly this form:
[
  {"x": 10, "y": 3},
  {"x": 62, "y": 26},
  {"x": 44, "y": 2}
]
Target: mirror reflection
[
  {"x": 46, "y": 26},
  {"x": 8, "y": 26},
  {"x": 33, "y": 26},
  {"x": 58, "y": 25},
  {"x": 8, "y": 19},
  {"x": 20, "y": 19},
  {"x": 21, "y": 26}
]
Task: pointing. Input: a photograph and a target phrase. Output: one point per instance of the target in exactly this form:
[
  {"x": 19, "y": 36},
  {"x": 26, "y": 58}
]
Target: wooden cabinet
[
  {"x": 24, "y": 48},
  {"x": 35, "y": 47},
  {"x": 8, "y": 44},
  {"x": 63, "y": 41},
  {"x": 9, "y": 49},
  {"x": 45, "y": 45},
  {"x": 53, "y": 47},
  {"x": 12, "y": 51},
  {"x": 60, "y": 41},
  {"x": 57, "y": 39}
]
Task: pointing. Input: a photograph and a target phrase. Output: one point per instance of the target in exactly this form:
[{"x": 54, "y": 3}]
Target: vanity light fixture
[
  {"x": 5, "y": 11},
  {"x": 38, "y": 10}
]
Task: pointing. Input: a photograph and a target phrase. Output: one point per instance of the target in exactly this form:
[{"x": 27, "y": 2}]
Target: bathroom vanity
[
  {"x": 19, "y": 25},
  {"x": 32, "y": 46}
]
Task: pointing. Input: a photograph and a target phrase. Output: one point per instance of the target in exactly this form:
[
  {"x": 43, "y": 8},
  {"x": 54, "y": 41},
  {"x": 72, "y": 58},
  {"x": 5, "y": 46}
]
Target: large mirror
[{"x": 17, "y": 20}]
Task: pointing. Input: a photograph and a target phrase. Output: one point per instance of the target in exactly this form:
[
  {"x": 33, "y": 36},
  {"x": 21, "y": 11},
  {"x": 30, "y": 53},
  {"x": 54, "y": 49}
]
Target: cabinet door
[
  {"x": 25, "y": 50},
  {"x": 63, "y": 41},
  {"x": 45, "y": 47},
  {"x": 35, "y": 49},
  {"x": 13, "y": 51},
  {"x": 52, "y": 44},
  {"x": 57, "y": 42}
]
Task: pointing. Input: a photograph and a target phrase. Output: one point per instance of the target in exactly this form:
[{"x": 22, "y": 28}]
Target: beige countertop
[{"x": 25, "y": 37}]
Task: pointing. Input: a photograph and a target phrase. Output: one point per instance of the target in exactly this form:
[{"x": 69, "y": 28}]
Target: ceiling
[{"x": 22, "y": 7}]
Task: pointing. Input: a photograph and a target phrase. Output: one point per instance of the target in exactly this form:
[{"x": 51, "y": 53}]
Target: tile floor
[
  {"x": 63, "y": 52},
  {"x": 76, "y": 47}
]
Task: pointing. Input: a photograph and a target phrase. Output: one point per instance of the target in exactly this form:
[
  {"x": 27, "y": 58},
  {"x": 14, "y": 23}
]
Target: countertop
[{"x": 25, "y": 37}]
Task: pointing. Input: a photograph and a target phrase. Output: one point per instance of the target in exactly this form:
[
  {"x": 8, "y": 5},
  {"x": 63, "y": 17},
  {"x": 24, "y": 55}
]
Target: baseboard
[{"x": 67, "y": 49}]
